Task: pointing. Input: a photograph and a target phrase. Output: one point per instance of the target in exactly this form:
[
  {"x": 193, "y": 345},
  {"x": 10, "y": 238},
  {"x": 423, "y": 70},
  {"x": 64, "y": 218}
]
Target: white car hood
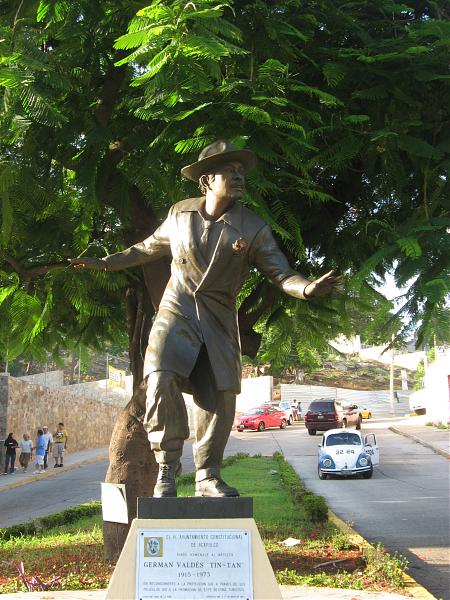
[{"x": 343, "y": 455}]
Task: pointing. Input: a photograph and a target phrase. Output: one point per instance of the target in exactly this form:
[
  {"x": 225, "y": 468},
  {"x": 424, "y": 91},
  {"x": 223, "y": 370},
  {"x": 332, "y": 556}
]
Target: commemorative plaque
[
  {"x": 192, "y": 548},
  {"x": 177, "y": 564}
]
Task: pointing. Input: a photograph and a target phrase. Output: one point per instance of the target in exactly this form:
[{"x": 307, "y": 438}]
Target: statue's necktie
[{"x": 204, "y": 238}]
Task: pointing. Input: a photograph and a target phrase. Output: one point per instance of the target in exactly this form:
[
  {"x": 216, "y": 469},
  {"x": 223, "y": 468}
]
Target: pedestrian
[
  {"x": 299, "y": 410},
  {"x": 40, "y": 446},
  {"x": 213, "y": 241},
  {"x": 294, "y": 410},
  {"x": 48, "y": 445},
  {"x": 26, "y": 451},
  {"x": 10, "y": 457},
  {"x": 59, "y": 445}
]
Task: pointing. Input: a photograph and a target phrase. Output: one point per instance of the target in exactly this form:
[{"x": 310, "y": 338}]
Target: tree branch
[{"x": 32, "y": 272}]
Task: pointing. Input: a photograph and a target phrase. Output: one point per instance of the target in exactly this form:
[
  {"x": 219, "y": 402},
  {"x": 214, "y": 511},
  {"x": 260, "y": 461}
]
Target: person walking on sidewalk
[
  {"x": 40, "y": 447},
  {"x": 59, "y": 445},
  {"x": 26, "y": 451},
  {"x": 49, "y": 445},
  {"x": 10, "y": 457}
]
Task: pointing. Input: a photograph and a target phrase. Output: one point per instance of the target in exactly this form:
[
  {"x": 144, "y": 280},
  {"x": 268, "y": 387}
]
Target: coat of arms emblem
[{"x": 153, "y": 546}]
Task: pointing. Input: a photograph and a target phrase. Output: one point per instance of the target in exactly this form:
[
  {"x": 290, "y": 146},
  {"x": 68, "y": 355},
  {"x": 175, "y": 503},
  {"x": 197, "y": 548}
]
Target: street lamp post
[{"x": 391, "y": 379}]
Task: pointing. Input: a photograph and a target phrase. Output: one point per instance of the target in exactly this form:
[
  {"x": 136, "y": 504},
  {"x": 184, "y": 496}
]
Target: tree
[{"x": 346, "y": 107}]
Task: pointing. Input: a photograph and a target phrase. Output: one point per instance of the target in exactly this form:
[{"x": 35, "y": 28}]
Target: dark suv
[{"x": 326, "y": 413}]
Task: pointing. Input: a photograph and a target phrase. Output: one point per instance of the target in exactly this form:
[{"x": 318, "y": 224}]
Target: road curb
[
  {"x": 53, "y": 473},
  {"x": 411, "y": 585},
  {"x": 421, "y": 442}
]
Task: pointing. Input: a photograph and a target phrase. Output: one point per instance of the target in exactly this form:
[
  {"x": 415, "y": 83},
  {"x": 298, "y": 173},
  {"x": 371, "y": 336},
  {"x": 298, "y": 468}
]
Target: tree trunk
[{"x": 131, "y": 460}]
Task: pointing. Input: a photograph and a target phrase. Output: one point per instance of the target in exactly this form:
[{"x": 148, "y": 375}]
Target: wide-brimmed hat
[{"x": 217, "y": 154}]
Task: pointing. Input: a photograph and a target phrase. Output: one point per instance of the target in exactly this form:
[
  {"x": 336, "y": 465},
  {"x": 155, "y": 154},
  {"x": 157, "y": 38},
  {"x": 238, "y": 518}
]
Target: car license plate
[{"x": 320, "y": 416}]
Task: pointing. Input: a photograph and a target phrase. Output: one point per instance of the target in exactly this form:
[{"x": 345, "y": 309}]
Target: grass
[
  {"x": 438, "y": 425},
  {"x": 70, "y": 555},
  {"x": 73, "y": 553}
]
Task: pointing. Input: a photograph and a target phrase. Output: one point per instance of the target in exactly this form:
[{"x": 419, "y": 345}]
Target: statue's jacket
[{"x": 199, "y": 303}]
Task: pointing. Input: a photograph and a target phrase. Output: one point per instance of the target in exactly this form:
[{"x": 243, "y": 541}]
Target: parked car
[
  {"x": 261, "y": 417},
  {"x": 418, "y": 401},
  {"x": 345, "y": 452},
  {"x": 366, "y": 414},
  {"x": 327, "y": 413},
  {"x": 286, "y": 407}
]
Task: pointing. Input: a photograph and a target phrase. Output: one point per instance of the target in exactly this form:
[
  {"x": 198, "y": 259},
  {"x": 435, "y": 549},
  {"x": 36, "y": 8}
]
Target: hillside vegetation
[{"x": 351, "y": 374}]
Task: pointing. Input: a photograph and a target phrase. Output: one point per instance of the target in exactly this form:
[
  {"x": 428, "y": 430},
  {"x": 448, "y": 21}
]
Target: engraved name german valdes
[{"x": 193, "y": 563}]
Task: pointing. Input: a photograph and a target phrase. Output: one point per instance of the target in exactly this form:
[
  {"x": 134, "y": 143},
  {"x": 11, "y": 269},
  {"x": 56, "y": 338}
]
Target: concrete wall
[
  {"x": 437, "y": 387},
  {"x": 308, "y": 393},
  {"x": 51, "y": 379},
  {"x": 254, "y": 392},
  {"x": 405, "y": 360},
  {"x": 24, "y": 407},
  {"x": 103, "y": 390}
]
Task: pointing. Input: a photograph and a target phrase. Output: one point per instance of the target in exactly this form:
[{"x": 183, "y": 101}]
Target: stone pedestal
[{"x": 190, "y": 514}]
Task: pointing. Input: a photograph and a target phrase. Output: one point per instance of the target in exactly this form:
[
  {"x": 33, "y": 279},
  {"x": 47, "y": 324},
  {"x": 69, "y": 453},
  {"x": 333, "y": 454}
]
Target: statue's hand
[
  {"x": 87, "y": 263},
  {"x": 325, "y": 285}
]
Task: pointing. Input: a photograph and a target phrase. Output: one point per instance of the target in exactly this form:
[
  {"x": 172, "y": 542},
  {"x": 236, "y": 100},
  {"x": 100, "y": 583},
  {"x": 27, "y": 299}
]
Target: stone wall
[
  {"x": 24, "y": 407},
  {"x": 4, "y": 395}
]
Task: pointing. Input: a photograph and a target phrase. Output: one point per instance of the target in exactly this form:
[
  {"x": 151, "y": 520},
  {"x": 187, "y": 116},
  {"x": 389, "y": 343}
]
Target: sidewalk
[
  {"x": 72, "y": 460},
  {"x": 431, "y": 437},
  {"x": 288, "y": 592}
]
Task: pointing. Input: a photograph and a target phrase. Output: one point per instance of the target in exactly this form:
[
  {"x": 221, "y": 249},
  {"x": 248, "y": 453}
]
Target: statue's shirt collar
[{"x": 233, "y": 216}]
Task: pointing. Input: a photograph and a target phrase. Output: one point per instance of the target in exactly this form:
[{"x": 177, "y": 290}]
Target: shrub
[
  {"x": 316, "y": 508},
  {"x": 65, "y": 517}
]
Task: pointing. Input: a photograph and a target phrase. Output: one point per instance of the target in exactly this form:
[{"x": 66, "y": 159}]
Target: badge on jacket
[{"x": 239, "y": 246}]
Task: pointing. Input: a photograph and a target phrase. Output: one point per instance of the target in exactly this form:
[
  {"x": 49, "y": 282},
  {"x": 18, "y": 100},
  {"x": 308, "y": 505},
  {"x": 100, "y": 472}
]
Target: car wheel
[
  {"x": 368, "y": 474},
  {"x": 312, "y": 431},
  {"x": 283, "y": 424},
  {"x": 321, "y": 475},
  {"x": 344, "y": 423},
  {"x": 421, "y": 411},
  {"x": 358, "y": 423},
  {"x": 241, "y": 429},
  {"x": 261, "y": 426}
]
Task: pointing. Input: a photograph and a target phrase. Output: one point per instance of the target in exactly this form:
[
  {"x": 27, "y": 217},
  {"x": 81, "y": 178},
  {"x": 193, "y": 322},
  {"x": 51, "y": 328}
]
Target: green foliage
[
  {"x": 43, "y": 524},
  {"x": 345, "y": 105},
  {"x": 316, "y": 508},
  {"x": 383, "y": 567},
  {"x": 419, "y": 374}
]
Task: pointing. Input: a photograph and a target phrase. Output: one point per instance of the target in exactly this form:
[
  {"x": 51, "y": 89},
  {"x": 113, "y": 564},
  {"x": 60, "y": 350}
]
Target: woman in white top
[{"x": 26, "y": 451}]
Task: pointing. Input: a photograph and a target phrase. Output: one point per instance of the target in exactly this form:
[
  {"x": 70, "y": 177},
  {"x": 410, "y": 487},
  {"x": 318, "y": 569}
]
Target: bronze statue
[{"x": 194, "y": 343}]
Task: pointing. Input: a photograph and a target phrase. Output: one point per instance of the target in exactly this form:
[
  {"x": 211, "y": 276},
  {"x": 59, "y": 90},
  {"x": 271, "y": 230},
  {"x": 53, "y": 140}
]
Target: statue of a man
[{"x": 194, "y": 343}]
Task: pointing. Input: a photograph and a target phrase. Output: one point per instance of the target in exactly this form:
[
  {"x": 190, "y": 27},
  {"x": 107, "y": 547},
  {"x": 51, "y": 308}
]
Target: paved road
[
  {"x": 52, "y": 494},
  {"x": 404, "y": 506}
]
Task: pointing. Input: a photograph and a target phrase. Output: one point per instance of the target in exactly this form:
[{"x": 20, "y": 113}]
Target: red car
[{"x": 261, "y": 417}]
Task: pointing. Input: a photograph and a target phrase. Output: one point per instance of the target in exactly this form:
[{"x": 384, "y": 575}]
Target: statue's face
[{"x": 228, "y": 181}]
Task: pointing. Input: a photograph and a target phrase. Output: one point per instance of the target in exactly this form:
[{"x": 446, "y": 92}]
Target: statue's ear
[{"x": 203, "y": 182}]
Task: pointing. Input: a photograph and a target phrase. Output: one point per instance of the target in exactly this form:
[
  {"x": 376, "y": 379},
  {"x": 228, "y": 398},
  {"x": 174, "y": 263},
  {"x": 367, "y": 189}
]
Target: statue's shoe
[
  {"x": 214, "y": 487},
  {"x": 165, "y": 484}
]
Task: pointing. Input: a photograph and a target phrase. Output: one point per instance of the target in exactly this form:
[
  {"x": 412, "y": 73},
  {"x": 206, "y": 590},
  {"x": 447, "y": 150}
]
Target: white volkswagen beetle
[{"x": 347, "y": 452}]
